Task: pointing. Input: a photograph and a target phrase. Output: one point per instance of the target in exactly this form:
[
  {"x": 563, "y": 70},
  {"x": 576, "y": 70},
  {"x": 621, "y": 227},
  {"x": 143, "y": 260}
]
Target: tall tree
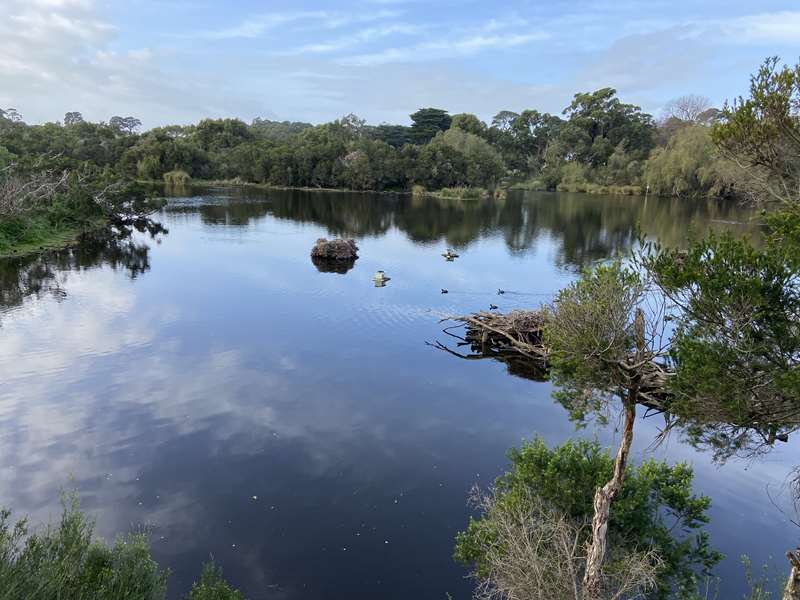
[
  {"x": 73, "y": 118},
  {"x": 598, "y": 123},
  {"x": 688, "y": 108},
  {"x": 427, "y": 122},
  {"x": 127, "y": 125}
]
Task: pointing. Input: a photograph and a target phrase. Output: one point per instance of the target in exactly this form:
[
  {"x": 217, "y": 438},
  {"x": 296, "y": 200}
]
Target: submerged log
[{"x": 334, "y": 250}]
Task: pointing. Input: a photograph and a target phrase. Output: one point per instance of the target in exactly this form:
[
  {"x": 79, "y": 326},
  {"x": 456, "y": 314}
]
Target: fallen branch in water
[{"x": 518, "y": 336}]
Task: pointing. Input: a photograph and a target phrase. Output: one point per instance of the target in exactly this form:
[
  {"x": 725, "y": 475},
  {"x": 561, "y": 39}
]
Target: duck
[
  {"x": 492, "y": 307},
  {"x": 444, "y": 291},
  {"x": 500, "y": 292},
  {"x": 450, "y": 255}
]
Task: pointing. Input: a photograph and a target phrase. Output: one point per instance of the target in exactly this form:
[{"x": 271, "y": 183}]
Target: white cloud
[
  {"x": 463, "y": 46},
  {"x": 257, "y": 25},
  {"x": 356, "y": 38},
  {"x": 772, "y": 28}
]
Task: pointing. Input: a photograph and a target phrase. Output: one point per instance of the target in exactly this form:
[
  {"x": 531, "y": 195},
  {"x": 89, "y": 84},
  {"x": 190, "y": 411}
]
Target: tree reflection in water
[{"x": 46, "y": 273}]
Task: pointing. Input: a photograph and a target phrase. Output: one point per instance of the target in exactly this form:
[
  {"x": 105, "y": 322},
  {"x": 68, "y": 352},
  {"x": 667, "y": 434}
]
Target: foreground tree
[
  {"x": 737, "y": 344},
  {"x": 530, "y": 540},
  {"x": 761, "y": 134},
  {"x": 602, "y": 348}
]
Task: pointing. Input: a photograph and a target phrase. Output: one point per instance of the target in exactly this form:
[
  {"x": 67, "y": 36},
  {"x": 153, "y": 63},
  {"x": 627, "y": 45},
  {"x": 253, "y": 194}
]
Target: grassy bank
[
  {"x": 537, "y": 185},
  {"x": 52, "y": 208},
  {"x": 25, "y": 235},
  {"x": 595, "y": 188}
]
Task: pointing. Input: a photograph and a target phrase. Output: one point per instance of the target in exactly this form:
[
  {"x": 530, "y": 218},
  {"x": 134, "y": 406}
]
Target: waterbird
[
  {"x": 492, "y": 307},
  {"x": 444, "y": 291},
  {"x": 500, "y": 292}
]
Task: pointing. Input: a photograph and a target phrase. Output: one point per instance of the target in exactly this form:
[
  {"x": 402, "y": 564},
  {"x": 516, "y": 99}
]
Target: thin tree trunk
[
  {"x": 602, "y": 507},
  {"x": 792, "y": 589}
]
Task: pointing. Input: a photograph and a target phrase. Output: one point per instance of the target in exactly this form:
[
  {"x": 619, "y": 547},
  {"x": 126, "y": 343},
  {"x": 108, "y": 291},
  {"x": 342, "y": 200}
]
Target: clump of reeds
[{"x": 177, "y": 178}]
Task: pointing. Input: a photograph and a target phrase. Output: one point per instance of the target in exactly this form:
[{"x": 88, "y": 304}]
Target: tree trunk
[
  {"x": 596, "y": 552},
  {"x": 792, "y": 589}
]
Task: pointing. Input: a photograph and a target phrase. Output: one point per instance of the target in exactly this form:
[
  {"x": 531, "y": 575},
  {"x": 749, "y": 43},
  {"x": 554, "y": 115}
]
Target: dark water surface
[{"x": 217, "y": 387}]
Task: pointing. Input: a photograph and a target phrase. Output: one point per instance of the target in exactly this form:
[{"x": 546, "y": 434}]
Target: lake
[{"x": 216, "y": 387}]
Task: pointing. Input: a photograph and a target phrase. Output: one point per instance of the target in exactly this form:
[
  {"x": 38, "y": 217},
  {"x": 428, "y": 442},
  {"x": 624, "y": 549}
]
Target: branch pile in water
[{"x": 519, "y": 331}]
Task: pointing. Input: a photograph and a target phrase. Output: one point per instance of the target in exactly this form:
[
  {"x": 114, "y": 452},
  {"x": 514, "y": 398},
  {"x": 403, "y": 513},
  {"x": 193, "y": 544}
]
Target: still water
[{"x": 212, "y": 385}]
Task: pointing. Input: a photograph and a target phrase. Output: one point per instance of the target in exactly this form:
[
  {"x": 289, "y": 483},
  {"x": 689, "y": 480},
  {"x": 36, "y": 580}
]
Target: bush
[
  {"x": 212, "y": 586},
  {"x": 565, "y": 479},
  {"x": 462, "y": 193},
  {"x": 688, "y": 166},
  {"x": 65, "y": 561}
]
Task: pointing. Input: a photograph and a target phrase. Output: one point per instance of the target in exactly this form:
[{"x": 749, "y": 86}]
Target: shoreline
[{"x": 56, "y": 240}]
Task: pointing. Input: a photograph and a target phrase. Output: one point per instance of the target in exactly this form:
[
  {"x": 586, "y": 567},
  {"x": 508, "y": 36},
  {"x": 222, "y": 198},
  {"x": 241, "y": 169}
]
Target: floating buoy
[{"x": 380, "y": 279}]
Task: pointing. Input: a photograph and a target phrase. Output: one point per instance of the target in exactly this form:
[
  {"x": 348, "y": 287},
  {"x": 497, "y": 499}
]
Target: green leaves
[
  {"x": 736, "y": 381},
  {"x": 64, "y": 561},
  {"x": 656, "y": 509},
  {"x": 589, "y": 333},
  {"x": 762, "y": 134}
]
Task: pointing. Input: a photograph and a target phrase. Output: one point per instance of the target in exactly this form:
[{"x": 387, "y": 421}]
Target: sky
[{"x": 177, "y": 61}]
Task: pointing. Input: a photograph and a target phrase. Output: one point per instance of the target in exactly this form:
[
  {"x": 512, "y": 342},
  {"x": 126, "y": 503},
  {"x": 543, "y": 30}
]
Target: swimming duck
[
  {"x": 450, "y": 255},
  {"x": 444, "y": 291},
  {"x": 500, "y": 292},
  {"x": 492, "y": 307}
]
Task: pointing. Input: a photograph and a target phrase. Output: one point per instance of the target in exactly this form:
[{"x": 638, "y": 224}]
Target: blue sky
[{"x": 175, "y": 61}]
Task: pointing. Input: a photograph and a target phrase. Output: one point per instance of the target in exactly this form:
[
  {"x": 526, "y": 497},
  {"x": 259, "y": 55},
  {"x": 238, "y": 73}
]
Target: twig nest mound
[{"x": 334, "y": 250}]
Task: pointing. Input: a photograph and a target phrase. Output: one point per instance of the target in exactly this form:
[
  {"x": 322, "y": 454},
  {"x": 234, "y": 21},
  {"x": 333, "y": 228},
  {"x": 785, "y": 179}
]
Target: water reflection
[
  {"x": 236, "y": 369},
  {"x": 586, "y": 228},
  {"x": 45, "y": 273}
]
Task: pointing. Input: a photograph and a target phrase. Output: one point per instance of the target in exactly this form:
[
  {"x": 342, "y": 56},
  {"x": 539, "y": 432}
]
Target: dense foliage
[
  {"x": 65, "y": 560},
  {"x": 737, "y": 341},
  {"x": 598, "y": 144},
  {"x": 655, "y": 501}
]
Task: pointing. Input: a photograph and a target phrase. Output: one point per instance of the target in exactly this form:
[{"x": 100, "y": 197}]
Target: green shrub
[
  {"x": 65, "y": 561},
  {"x": 655, "y": 500},
  {"x": 463, "y": 193},
  {"x": 212, "y": 586}
]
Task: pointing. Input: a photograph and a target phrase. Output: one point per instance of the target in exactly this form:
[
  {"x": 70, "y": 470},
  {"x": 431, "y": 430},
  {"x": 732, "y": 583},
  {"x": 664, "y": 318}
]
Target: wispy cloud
[
  {"x": 776, "y": 27},
  {"x": 357, "y": 38},
  {"x": 456, "y": 47},
  {"x": 257, "y": 25}
]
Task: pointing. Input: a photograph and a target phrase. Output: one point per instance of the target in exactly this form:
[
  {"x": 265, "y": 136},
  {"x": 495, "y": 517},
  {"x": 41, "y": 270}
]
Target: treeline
[{"x": 599, "y": 143}]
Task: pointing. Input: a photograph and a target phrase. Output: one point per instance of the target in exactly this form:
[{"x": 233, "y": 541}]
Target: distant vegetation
[{"x": 598, "y": 144}]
